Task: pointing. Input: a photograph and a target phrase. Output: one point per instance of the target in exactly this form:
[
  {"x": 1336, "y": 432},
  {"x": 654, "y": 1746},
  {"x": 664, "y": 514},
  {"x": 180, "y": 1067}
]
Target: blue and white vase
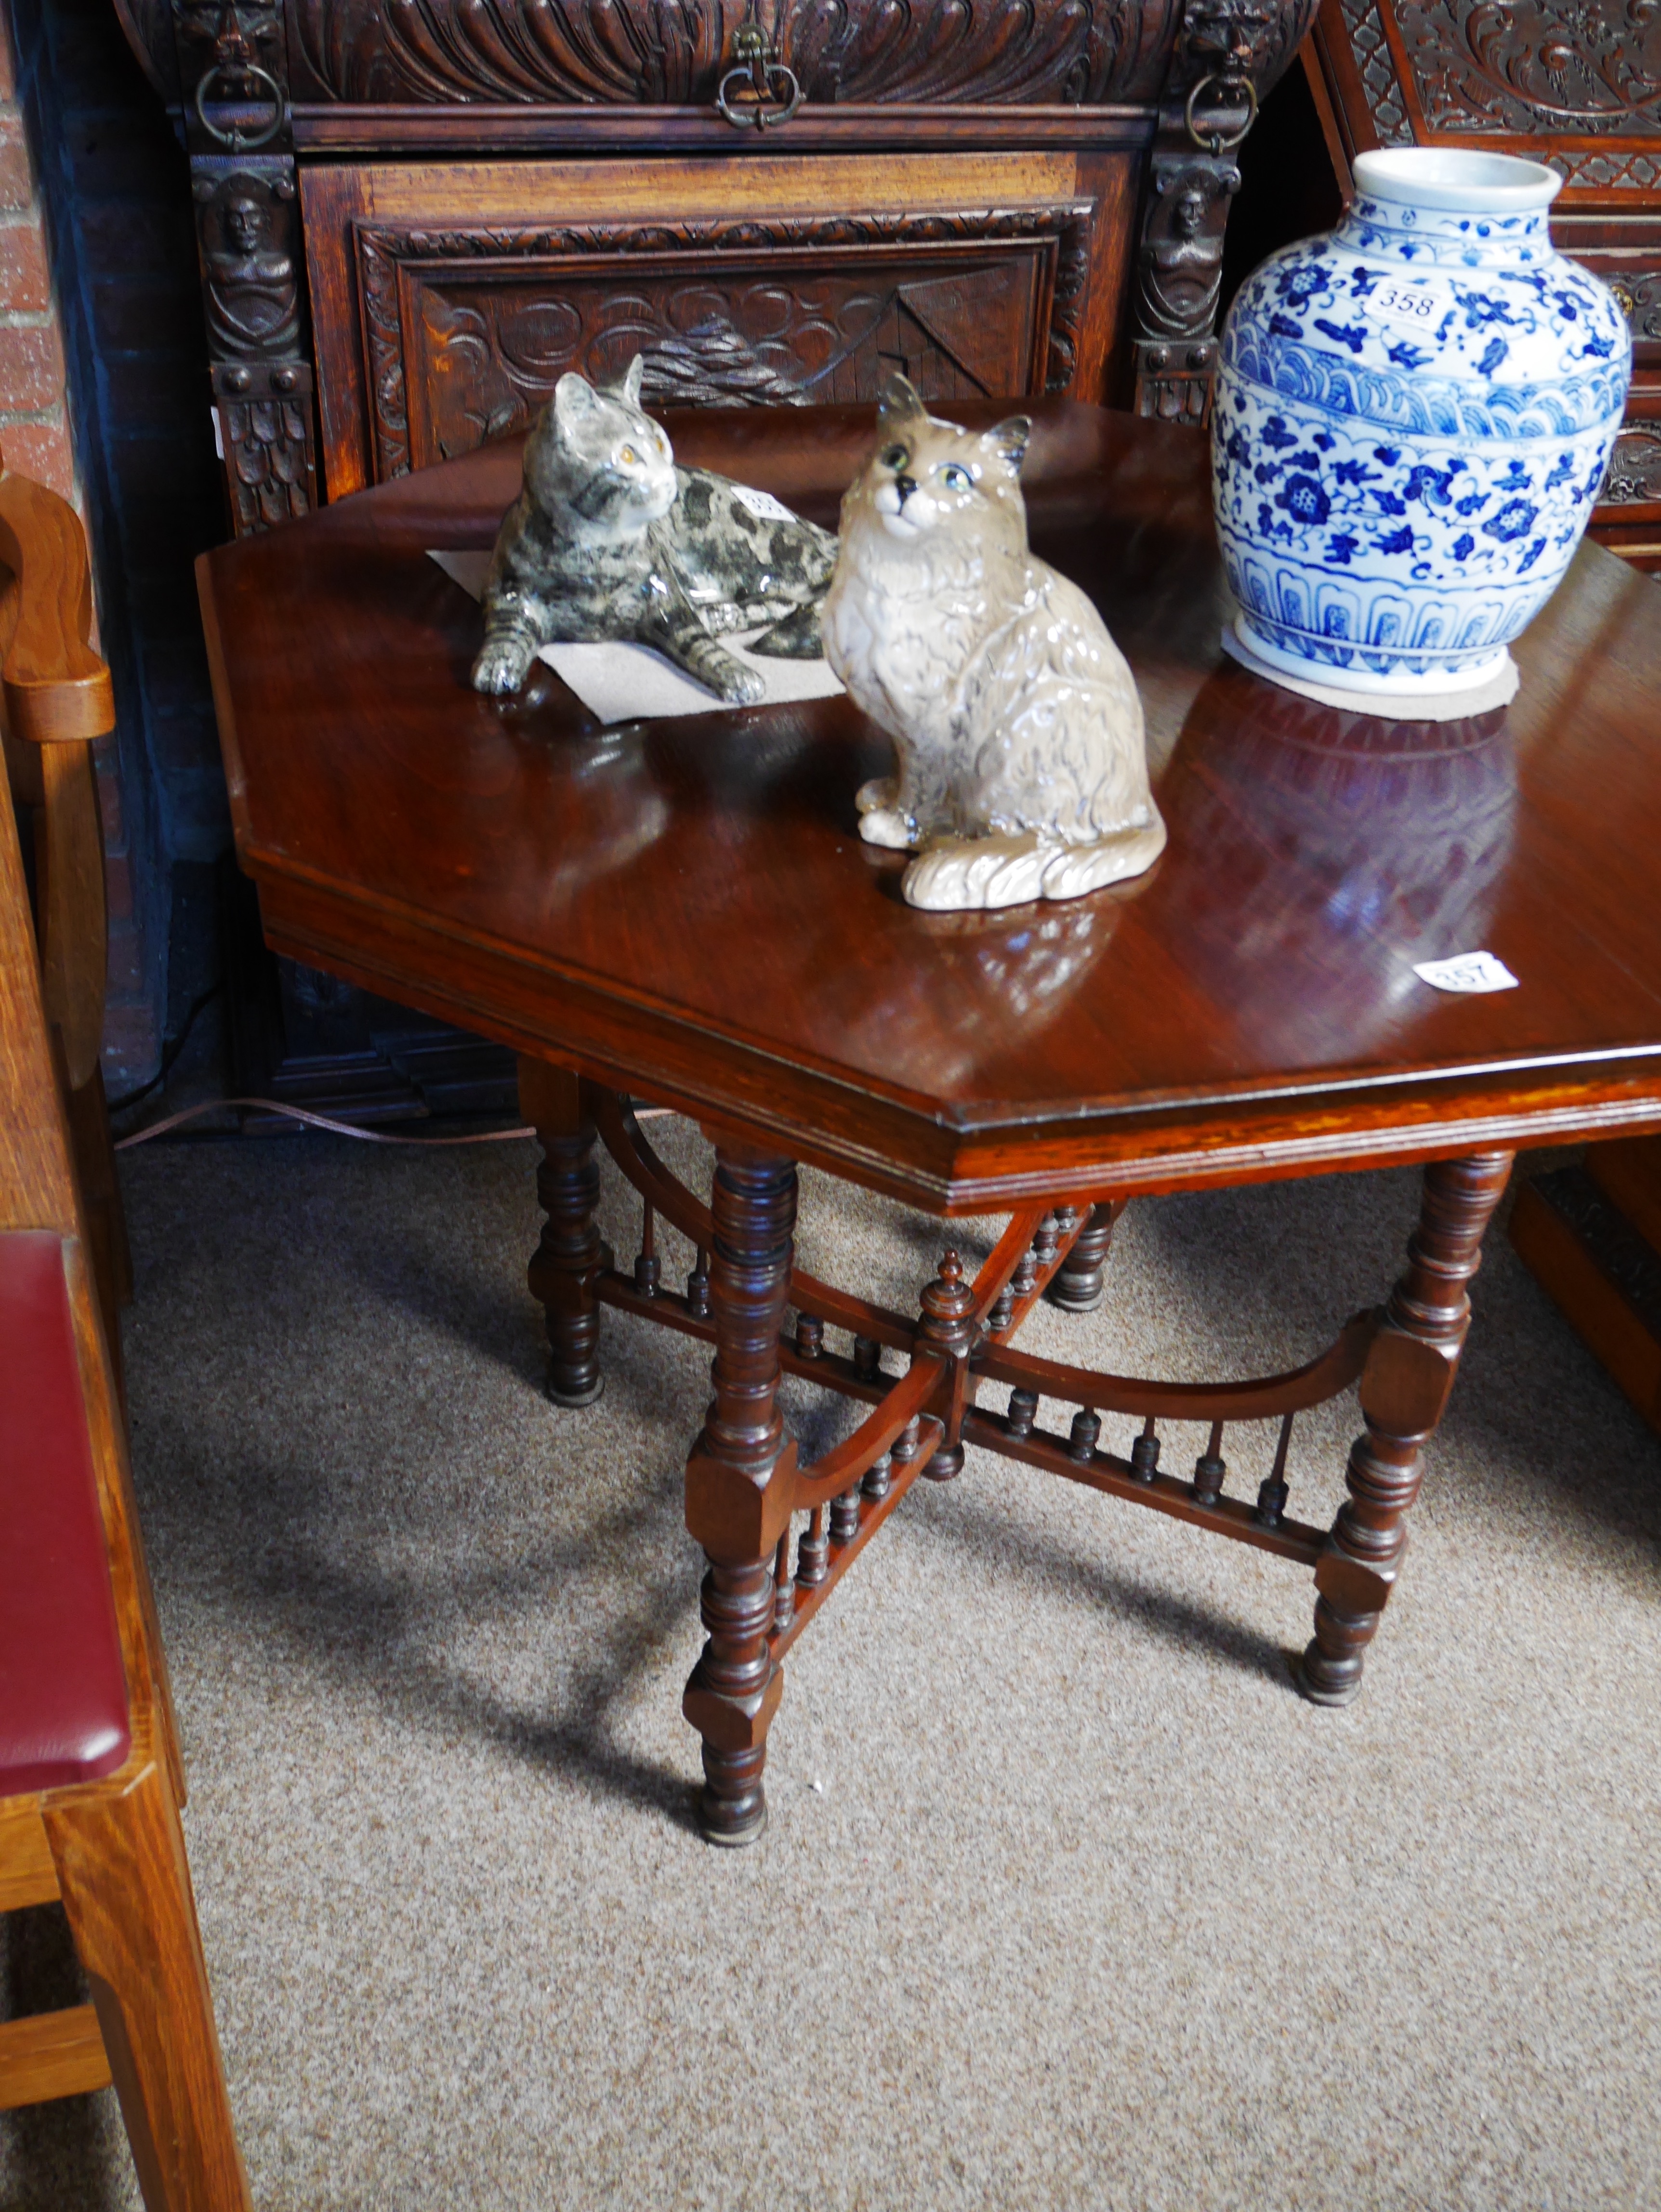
[{"x": 1413, "y": 418}]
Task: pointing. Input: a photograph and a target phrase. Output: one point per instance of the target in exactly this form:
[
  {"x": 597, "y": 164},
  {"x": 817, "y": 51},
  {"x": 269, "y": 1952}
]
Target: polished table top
[{"x": 684, "y": 909}]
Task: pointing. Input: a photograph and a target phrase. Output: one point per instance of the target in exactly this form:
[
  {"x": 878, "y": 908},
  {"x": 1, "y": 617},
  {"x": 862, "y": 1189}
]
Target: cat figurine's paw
[
  {"x": 731, "y": 680},
  {"x": 794, "y": 636},
  {"x": 502, "y": 665},
  {"x": 882, "y": 823}
]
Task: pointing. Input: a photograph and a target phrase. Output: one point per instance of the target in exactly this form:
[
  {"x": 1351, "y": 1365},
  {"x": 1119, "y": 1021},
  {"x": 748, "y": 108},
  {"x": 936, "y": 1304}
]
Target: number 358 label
[{"x": 1408, "y": 308}]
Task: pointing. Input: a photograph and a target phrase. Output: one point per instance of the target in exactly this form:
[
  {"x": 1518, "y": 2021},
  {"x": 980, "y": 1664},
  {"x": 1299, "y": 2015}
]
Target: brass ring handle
[
  {"x": 756, "y": 115},
  {"x": 1216, "y": 142},
  {"x": 239, "y": 141}
]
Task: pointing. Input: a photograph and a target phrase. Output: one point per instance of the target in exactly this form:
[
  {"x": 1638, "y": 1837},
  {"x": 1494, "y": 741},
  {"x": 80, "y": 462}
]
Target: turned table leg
[
  {"x": 739, "y": 1483},
  {"x": 1403, "y": 1390},
  {"x": 1080, "y": 1282},
  {"x": 565, "y": 1263}
]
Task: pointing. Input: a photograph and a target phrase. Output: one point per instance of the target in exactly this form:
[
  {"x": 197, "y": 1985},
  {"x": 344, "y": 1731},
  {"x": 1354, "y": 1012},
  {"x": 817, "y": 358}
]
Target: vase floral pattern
[{"x": 1412, "y": 418}]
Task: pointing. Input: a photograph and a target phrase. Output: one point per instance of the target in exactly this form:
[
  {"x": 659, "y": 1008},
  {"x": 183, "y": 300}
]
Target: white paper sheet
[{"x": 630, "y": 683}]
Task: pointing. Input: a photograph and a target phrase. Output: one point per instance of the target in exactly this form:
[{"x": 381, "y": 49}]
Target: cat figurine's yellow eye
[
  {"x": 629, "y": 457},
  {"x": 896, "y": 458},
  {"x": 955, "y": 479}
]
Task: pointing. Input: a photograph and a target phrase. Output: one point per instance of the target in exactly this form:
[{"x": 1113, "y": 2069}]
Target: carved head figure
[
  {"x": 245, "y": 223},
  {"x": 596, "y": 461},
  {"x": 936, "y": 504},
  {"x": 1188, "y": 215}
]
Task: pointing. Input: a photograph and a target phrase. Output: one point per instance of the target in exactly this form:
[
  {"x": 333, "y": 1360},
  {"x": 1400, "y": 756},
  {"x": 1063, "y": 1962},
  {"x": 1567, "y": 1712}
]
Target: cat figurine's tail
[{"x": 1010, "y": 869}]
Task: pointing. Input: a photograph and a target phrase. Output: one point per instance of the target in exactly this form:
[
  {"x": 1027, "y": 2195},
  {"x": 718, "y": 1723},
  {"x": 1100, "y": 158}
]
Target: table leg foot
[
  {"x": 732, "y": 1808},
  {"x": 1080, "y": 1282},
  {"x": 570, "y": 1254},
  {"x": 1403, "y": 1391},
  {"x": 1330, "y": 1671},
  {"x": 740, "y": 1483}
]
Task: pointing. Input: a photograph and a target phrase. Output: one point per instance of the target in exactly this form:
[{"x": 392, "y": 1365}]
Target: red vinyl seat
[{"x": 62, "y": 1689}]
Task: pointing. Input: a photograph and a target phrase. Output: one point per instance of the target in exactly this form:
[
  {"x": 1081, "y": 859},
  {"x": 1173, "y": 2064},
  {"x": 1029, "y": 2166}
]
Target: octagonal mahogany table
[{"x": 682, "y": 912}]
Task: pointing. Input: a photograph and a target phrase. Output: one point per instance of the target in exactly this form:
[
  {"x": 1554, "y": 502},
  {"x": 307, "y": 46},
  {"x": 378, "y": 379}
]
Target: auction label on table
[{"x": 1470, "y": 971}]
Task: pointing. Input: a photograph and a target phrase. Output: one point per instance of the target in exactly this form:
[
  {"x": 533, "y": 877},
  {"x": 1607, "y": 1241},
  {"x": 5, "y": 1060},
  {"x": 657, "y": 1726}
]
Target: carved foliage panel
[
  {"x": 1580, "y": 80},
  {"x": 673, "y": 51},
  {"x": 1536, "y": 67},
  {"x": 1634, "y": 470},
  {"x": 468, "y": 332}
]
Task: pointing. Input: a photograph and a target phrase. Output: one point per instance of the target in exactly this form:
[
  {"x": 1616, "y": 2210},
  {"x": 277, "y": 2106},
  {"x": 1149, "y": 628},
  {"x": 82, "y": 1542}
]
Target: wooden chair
[
  {"x": 90, "y": 1779},
  {"x": 58, "y": 700}
]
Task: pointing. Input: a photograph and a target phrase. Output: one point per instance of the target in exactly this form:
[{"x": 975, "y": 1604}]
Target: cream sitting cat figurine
[{"x": 1023, "y": 768}]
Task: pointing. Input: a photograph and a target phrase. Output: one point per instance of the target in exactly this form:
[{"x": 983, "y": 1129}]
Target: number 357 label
[{"x": 1403, "y": 305}]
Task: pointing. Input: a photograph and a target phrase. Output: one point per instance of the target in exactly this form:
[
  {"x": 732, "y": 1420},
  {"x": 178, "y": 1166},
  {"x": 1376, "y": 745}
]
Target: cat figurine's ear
[
  {"x": 1008, "y": 440},
  {"x": 630, "y": 385},
  {"x": 898, "y": 402},
  {"x": 573, "y": 398}
]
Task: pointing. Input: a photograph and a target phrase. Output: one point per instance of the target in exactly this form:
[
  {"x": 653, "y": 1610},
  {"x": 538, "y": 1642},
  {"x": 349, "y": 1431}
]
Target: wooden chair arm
[{"x": 56, "y": 688}]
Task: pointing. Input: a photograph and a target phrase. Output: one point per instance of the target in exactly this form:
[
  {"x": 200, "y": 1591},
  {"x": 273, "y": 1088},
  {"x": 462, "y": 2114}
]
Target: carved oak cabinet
[
  {"x": 1576, "y": 83},
  {"x": 414, "y": 215}
]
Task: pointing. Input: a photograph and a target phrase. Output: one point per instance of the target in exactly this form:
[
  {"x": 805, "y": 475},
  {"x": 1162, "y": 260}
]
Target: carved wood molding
[
  {"x": 384, "y": 253},
  {"x": 1023, "y": 52}
]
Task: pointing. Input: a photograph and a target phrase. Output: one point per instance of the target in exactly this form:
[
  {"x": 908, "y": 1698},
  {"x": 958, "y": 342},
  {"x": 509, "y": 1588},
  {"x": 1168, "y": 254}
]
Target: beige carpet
[{"x": 1067, "y": 1898}]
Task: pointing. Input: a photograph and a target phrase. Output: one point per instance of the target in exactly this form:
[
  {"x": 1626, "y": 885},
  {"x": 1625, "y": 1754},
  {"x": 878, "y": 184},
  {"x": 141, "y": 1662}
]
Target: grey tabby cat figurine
[
  {"x": 1023, "y": 764},
  {"x": 609, "y": 538}
]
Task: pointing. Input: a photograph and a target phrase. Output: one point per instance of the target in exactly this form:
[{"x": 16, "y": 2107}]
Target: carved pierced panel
[
  {"x": 1016, "y": 53},
  {"x": 468, "y": 330}
]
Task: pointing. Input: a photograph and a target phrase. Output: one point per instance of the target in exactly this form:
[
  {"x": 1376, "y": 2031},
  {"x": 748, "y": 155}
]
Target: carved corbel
[
  {"x": 233, "y": 70},
  {"x": 1228, "y": 54}
]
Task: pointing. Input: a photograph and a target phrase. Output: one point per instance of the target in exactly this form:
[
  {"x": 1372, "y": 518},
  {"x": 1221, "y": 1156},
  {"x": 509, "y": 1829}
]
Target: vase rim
[{"x": 1455, "y": 181}]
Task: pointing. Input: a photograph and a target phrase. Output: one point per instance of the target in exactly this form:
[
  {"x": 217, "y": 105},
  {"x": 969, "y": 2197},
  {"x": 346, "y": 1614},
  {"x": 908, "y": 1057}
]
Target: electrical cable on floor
[
  {"x": 342, "y": 1129},
  {"x": 170, "y": 1051}
]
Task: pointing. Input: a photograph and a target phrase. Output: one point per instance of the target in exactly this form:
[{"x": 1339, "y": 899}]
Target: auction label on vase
[{"x": 1404, "y": 306}]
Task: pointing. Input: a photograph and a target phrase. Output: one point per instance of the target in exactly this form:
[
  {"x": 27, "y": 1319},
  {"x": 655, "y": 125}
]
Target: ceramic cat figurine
[
  {"x": 610, "y": 539},
  {"x": 1023, "y": 768}
]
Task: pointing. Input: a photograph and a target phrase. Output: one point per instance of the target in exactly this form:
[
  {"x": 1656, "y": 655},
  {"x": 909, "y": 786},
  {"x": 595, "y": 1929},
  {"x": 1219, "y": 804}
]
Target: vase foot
[{"x": 1443, "y": 697}]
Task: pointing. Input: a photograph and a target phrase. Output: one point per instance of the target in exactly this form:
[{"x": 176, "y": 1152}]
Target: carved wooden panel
[
  {"x": 444, "y": 312},
  {"x": 468, "y": 330}
]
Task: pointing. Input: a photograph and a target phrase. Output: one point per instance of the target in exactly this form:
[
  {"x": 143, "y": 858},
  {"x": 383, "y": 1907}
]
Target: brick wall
[{"x": 103, "y": 394}]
